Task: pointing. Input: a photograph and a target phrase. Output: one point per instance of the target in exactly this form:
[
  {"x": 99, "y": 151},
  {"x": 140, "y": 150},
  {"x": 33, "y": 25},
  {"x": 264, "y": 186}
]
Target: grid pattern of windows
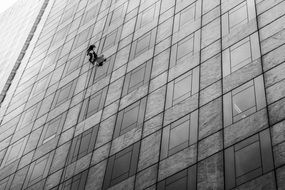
[{"x": 191, "y": 96}]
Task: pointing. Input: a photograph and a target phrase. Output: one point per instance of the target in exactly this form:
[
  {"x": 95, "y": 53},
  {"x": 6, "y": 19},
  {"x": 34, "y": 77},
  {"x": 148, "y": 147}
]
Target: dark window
[
  {"x": 179, "y": 135},
  {"x": 248, "y": 159},
  {"x": 82, "y": 144},
  {"x": 183, "y": 180},
  {"x": 121, "y": 165},
  {"x": 137, "y": 78},
  {"x": 182, "y": 87},
  {"x": 93, "y": 104},
  {"x": 130, "y": 118},
  {"x": 38, "y": 170},
  {"x": 75, "y": 183}
]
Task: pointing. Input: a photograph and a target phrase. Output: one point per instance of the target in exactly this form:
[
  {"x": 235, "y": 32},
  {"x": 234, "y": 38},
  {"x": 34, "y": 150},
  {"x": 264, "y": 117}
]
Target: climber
[{"x": 93, "y": 57}]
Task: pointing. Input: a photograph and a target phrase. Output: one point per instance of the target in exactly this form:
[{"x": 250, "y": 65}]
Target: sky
[{"x": 5, "y": 4}]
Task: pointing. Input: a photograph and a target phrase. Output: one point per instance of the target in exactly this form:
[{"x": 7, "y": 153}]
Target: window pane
[
  {"x": 243, "y": 100},
  {"x": 130, "y": 117},
  {"x": 248, "y": 159},
  {"x": 184, "y": 48},
  {"x": 110, "y": 40},
  {"x": 238, "y": 16},
  {"x": 182, "y": 88},
  {"x": 180, "y": 184},
  {"x": 187, "y": 15},
  {"x": 240, "y": 56},
  {"x": 137, "y": 77},
  {"x": 142, "y": 45},
  {"x": 179, "y": 135},
  {"x": 122, "y": 165},
  {"x": 64, "y": 93},
  {"x": 93, "y": 106},
  {"x": 147, "y": 15}
]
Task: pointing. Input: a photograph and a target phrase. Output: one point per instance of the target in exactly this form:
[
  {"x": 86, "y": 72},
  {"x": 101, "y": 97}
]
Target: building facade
[
  {"x": 17, "y": 26},
  {"x": 192, "y": 96}
]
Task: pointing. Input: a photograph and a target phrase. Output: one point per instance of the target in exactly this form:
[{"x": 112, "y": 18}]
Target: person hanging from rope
[{"x": 93, "y": 57}]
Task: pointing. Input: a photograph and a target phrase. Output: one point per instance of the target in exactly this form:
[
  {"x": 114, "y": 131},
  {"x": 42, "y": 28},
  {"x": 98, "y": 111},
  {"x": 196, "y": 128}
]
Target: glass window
[
  {"x": 137, "y": 77},
  {"x": 64, "y": 93},
  {"x": 40, "y": 86},
  {"x": 121, "y": 165},
  {"x": 110, "y": 39},
  {"x": 60, "y": 35},
  {"x": 130, "y": 118},
  {"x": 98, "y": 73},
  {"x": 50, "y": 59},
  {"x": 185, "y": 47},
  {"x": 74, "y": 63},
  {"x": 82, "y": 37},
  {"x": 28, "y": 117},
  {"x": 240, "y": 55},
  {"x": 179, "y": 184},
  {"x": 38, "y": 170},
  {"x": 187, "y": 15},
  {"x": 185, "y": 179},
  {"x": 93, "y": 104},
  {"x": 246, "y": 159},
  {"x": 244, "y": 101},
  {"x": 143, "y": 44},
  {"x": 117, "y": 14},
  {"x": 238, "y": 16},
  {"x": 76, "y": 182},
  {"x": 182, "y": 87},
  {"x": 179, "y": 135},
  {"x": 82, "y": 144},
  {"x": 148, "y": 15},
  {"x": 68, "y": 14},
  {"x": 14, "y": 152},
  {"x": 51, "y": 130},
  {"x": 90, "y": 14}
]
